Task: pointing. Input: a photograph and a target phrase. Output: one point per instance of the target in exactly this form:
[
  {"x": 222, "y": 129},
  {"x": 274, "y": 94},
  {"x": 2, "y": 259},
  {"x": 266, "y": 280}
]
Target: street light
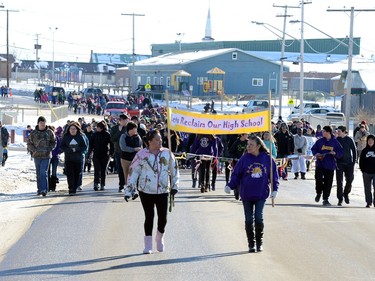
[
  {"x": 53, "y": 30},
  {"x": 180, "y": 35}
]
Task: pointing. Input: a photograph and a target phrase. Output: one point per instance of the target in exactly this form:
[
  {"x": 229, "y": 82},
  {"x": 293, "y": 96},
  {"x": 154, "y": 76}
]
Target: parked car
[
  {"x": 306, "y": 107},
  {"x": 87, "y": 92},
  {"x": 115, "y": 108},
  {"x": 54, "y": 91},
  {"x": 257, "y": 105},
  {"x": 322, "y": 112}
]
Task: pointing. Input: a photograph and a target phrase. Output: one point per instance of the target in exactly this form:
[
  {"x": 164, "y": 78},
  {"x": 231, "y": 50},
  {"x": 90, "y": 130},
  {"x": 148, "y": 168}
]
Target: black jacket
[
  {"x": 350, "y": 151},
  {"x": 73, "y": 147},
  {"x": 100, "y": 143},
  {"x": 367, "y": 160}
]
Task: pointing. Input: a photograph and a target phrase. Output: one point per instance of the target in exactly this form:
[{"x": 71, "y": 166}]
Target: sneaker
[
  {"x": 102, "y": 187},
  {"x": 120, "y": 188},
  {"x": 346, "y": 198},
  {"x": 317, "y": 198},
  {"x": 96, "y": 187},
  {"x": 326, "y": 203},
  {"x": 368, "y": 205},
  {"x": 340, "y": 203},
  {"x": 44, "y": 194},
  {"x": 79, "y": 188}
]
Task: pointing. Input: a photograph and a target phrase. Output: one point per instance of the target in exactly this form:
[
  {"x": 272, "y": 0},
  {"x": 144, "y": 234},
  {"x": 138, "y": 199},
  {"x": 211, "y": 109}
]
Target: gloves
[
  {"x": 227, "y": 189},
  {"x": 273, "y": 194},
  {"x": 173, "y": 192},
  {"x": 130, "y": 194}
]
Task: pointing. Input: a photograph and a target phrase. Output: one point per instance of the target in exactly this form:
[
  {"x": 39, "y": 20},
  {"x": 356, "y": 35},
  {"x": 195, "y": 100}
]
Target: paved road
[{"x": 98, "y": 236}]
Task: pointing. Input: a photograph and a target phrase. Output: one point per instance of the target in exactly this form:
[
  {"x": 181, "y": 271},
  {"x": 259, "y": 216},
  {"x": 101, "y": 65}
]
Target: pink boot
[
  {"x": 159, "y": 241},
  {"x": 148, "y": 245}
]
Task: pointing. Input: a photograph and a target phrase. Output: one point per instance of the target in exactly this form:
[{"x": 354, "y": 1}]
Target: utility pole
[
  {"x": 349, "y": 78},
  {"x": 302, "y": 52},
  {"x": 37, "y": 47},
  {"x": 281, "y": 73},
  {"x": 8, "y": 72},
  {"x": 132, "y": 77}
]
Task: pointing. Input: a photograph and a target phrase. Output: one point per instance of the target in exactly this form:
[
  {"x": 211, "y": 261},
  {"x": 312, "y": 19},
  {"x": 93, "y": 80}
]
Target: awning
[
  {"x": 182, "y": 73},
  {"x": 216, "y": 70}
]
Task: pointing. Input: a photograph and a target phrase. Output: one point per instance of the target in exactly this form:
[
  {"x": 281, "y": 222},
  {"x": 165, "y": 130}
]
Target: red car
[{"x": 115, "y": 108}]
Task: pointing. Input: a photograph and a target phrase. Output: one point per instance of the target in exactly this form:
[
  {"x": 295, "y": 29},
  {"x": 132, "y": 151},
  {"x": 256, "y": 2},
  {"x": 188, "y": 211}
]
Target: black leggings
[{"x": 148, "y": 203}]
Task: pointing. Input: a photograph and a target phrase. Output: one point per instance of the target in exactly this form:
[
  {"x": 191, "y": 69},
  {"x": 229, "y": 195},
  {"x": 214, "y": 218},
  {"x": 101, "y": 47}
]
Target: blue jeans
[
  {"x": 41, "y": 167},
  {"x": 254, "y": 209},
  {"x": 120, "y": 172},
  {"x": 52, "y": 171}
]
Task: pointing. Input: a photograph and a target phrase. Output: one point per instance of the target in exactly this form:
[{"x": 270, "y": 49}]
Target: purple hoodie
[
  {"x": 252, "y": 173},
  {"x": 324, "y": 146},
  {"x": 205, "y": 145}
]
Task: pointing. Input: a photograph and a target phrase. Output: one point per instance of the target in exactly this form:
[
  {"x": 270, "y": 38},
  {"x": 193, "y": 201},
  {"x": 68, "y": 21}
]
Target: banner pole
[
  {"x": 270, "y": 132},
  {"x": 171, "y": 199}
]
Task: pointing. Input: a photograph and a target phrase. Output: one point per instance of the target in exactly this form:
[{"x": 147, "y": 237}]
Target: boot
[
  {"x": 202, "y": 187},
  {"x": 194, "y": 183},
  {"x": 303, "y": 176},
  {"x": 259, "y": 236},
  {"x": 159, "y": 239},
  {"x": 148, "y": 245},
  {"x": 295, "y": 176},
  {"x": 213, "y": 186},
  {"x": 250, "y": 236}
]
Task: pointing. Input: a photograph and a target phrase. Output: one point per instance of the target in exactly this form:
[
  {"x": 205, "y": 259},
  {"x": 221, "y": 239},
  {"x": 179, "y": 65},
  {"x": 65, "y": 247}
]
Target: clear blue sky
[{"x": 99, "y": 26}]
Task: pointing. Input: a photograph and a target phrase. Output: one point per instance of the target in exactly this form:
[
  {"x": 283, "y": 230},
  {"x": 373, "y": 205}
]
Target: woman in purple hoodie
[{"x": 253, "y": 173}]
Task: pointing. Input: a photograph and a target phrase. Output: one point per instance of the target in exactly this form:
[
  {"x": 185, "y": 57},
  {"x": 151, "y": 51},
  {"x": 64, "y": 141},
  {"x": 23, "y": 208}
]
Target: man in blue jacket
[{"x": 326, "y": 150}]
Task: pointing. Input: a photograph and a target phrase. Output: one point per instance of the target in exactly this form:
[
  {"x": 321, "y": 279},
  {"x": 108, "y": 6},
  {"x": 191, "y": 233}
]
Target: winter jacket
[
  {"x": 284, "y": 142},
  {"x": 115, "y": 136},
  {"x": 128, "y": 144},
  {"x": 238, "y": 148},
  {"x": 367, "y": 160},
  {"x": 324, "y": 146},
  {"x": 252, "y": 173},
  {"x": 101, "y": 145},
  {"x": 150, "y": 173},
  {"x": 74, "y": 147},
  {"x": 41, "y": 143},
  {"x": 4, "y": 137},
  {"x": 300, "y": 144}
]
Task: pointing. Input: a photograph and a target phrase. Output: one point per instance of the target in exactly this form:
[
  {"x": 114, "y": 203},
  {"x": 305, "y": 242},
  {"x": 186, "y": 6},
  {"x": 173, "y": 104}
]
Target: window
[
  {"x": 168, "y": 84},
  {"x": 234, "y": 56},
  {"x": 257, "y": 82},
  {"x": 156, "y": 81},
  {"x": 161, "y": 80},
  {"x": 148, "y": 80}
]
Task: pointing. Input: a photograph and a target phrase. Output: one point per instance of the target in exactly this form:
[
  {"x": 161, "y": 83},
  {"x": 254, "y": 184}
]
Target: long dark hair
[{"x": 259, "y": 141}]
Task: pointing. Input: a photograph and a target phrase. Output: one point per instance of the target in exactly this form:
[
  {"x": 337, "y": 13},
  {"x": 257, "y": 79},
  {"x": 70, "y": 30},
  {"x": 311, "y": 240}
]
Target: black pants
[
  {"x": 73, "y": 171},
  {"x": 348, "y": 172},
  {"x": 204, "y": 172},
  {"x": 323, "y": 181},
  {"x": 149, "y": 201},
  {"x": 100, "y": 169}
]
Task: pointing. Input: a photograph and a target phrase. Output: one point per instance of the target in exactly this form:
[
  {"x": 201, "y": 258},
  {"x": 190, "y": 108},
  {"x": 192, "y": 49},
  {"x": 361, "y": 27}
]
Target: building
[{"x": 205, "y": 72}]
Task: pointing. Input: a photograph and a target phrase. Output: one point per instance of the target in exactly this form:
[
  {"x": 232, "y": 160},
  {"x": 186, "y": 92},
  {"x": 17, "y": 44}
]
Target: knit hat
[
  {"x": 41, "y": 119},
  {"x": 363, "y": 122}
]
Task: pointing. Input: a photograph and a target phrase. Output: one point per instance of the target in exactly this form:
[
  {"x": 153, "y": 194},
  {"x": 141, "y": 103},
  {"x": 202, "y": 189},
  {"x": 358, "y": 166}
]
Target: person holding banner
[
  {"x": 150, "y": 173},
  {"x": 206, "y": 147},
  {"x": 252, "y": 172}
]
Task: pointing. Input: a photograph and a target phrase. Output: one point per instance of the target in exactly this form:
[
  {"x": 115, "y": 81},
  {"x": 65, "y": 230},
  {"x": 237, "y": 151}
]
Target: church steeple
[{"x": 207, "y": 35}]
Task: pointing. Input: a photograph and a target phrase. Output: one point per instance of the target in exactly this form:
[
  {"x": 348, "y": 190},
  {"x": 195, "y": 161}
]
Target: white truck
[{"x": 257, "y": 105}]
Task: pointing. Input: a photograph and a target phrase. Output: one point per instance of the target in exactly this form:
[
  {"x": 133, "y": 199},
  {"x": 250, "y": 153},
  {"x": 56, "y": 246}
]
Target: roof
[
  {"x": 367, "y": 76},
  {"x": 187, "y": 57}
]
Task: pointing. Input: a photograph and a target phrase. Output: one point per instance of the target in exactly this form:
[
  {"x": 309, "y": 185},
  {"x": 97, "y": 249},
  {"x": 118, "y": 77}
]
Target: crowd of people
[{"x": 137, "y": 149}]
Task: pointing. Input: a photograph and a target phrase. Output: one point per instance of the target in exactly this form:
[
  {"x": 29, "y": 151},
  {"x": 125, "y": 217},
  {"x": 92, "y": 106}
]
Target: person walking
[
  {"x": 252, "y": 173},
  {"x": 115, "y": 133},
  {"x": 154, "y": 170},
  {"x": 236, "y": 151},
  {"x": 300, "y": 147},
  {"x": 4, "y": 138},
  {"x": 361, "y": 138},
  {"x": 367, "y": 166},
  {"x": 101, "y": 148},
  {"x": 326, "y": 150},
  {"x": 285, "y": 147},
  {"x": 345, "y": 165},
  {"x": 41, "y": 142},
  {"x": 130, "y": 143},
  {"x": 73, "y": 145}
]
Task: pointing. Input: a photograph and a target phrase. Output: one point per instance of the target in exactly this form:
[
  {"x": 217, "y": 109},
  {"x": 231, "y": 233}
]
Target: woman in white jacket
[{"x": 150, "y": 171}]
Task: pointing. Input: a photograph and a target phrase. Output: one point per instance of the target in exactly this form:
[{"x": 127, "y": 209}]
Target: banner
[{"x": 218, "y": 124}]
